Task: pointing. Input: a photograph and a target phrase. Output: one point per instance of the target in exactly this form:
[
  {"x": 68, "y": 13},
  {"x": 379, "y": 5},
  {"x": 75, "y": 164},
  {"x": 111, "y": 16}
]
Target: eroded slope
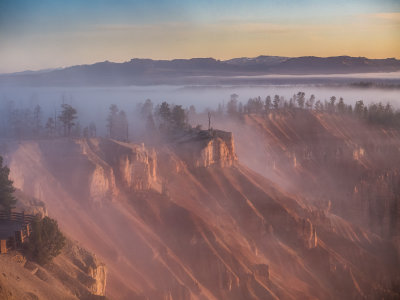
[{"x": 170, "y": 225}]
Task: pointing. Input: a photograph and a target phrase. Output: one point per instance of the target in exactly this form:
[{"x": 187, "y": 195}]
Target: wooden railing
[
  {"x": 17, "y": 237},
  {"x": 21, "y": 217}
]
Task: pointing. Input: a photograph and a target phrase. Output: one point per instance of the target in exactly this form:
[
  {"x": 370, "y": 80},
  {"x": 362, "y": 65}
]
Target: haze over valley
[{"x": 149, "y": 152}]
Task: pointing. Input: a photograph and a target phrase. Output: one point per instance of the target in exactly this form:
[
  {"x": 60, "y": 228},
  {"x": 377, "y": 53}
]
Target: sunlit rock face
[
  {"x": 89, "y": 264},
  {"x": 134, "y": 166},
  {"x": 309, "y": 234},
  {"x": 138, "y": 169},
  {"x": 207, "y": 148},
  {"x": 218, "y": 151},
  {"x": 102, "y": 185}
]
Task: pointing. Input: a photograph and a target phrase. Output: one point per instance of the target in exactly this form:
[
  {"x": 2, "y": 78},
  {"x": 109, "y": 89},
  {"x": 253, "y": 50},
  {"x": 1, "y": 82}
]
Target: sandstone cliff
[
  {"x": 105, "y": 168},
  {"x": 339, "y": 163},
  {"x": 134, "y": 166},
  {"x": 206, "y": 148}
]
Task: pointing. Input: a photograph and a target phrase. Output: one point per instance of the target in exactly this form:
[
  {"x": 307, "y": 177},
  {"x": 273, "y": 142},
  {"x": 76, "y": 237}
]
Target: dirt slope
[{"x": 74, "y": 274}]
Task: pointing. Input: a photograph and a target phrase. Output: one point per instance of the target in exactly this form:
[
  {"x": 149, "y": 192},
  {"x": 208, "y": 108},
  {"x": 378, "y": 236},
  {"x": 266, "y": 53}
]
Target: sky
[{"x": 41, "y": 34}]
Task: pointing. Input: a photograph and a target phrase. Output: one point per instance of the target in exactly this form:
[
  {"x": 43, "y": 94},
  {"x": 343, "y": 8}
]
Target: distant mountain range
[{"x": 197, "y": 70}]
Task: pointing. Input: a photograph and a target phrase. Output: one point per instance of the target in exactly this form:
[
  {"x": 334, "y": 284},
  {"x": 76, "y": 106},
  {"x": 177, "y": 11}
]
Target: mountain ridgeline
[{"x": 197, "y": 70}]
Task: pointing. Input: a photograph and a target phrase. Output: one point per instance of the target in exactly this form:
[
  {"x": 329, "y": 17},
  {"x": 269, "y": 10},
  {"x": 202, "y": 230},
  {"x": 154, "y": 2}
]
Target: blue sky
[{"x": 36, "y": 34}]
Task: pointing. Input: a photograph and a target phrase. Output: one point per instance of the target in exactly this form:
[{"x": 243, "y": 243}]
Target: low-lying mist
[{"x": 92, "y": 102}]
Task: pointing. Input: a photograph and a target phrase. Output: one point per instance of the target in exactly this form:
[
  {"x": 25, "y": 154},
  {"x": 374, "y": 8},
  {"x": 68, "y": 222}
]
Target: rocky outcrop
[
  {"x": 138, "y": 170},
  {"x": 206, "y": 148},
  {"x": 102, "y": 185},
  {"x": 88, "y": 268},
  {"x": 219, "y": 150},
  {"x": 134, "y": 166},
  {"x": 99, "y": 274},
  {"x": 309, "y": 234}
]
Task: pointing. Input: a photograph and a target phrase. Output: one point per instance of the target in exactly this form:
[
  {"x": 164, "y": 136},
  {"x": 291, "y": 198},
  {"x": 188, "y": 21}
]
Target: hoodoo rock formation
[
  {"x": 309, "y": 234},
  {"x": 206, "y": 148},
  {"x": 95, "y": 272},
  {"x": 133, "y": 165}
]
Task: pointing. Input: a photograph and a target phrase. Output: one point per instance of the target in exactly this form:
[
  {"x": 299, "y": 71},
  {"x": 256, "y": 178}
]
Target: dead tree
[{"x": 209, "y": 121}]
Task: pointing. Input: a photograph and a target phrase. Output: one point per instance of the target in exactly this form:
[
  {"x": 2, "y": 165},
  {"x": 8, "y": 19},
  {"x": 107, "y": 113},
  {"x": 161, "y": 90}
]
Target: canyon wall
[
  {"x": 328, "y": 158},
  {"x": 187, "y": 220}
]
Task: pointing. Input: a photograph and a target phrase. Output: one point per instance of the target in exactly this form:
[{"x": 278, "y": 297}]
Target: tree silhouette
[
  {"x": 37, "y": 120},
  {"x": 359, "y": 108},
  {"x": 341, "y": 106},
  {"x": 112, "y": 120},
  {"x": 7, "y": 199},
  {"x": 50, "y": 127},
  {"x": 67, "y": 117},
  {"x": 276, "y": 102},
  {"x": 178, "y": 116},
  {"x": 310, "y": 102},
  {"x": 301, "y": 99},
  {"x": 268, "y": 104},
  {"x": 122, "y": 126},
  {"x": 231, "y": 106}
]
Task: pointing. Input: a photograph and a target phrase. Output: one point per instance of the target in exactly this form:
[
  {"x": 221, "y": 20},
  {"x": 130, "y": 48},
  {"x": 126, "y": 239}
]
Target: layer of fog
[
  {"x": 200, "y": 96},
  {"x": 386, "y": 75},
  {"x": 92, "y": 103}
]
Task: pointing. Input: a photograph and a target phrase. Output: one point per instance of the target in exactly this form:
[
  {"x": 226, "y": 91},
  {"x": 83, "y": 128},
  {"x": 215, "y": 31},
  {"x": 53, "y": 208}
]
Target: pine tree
[
  {"x": 122, "y": 126},
  {"x": 178, "y": 117},
  {"x": 46, "y": 240},
  {"x": 50, "y": 127},
  {"x": 341, "y": 106},
  {"x": 164, "y": 115},
  {"x": 276, "y": 102},
  {"x": 232, "y": 105},
  {"x": 112, "y": 120},
  {"x": 37, "y": 120},
  {"x": 301, "y": 99},
  {"x": 7, "y": 199},
  {"x": 68, "y": 115}
]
